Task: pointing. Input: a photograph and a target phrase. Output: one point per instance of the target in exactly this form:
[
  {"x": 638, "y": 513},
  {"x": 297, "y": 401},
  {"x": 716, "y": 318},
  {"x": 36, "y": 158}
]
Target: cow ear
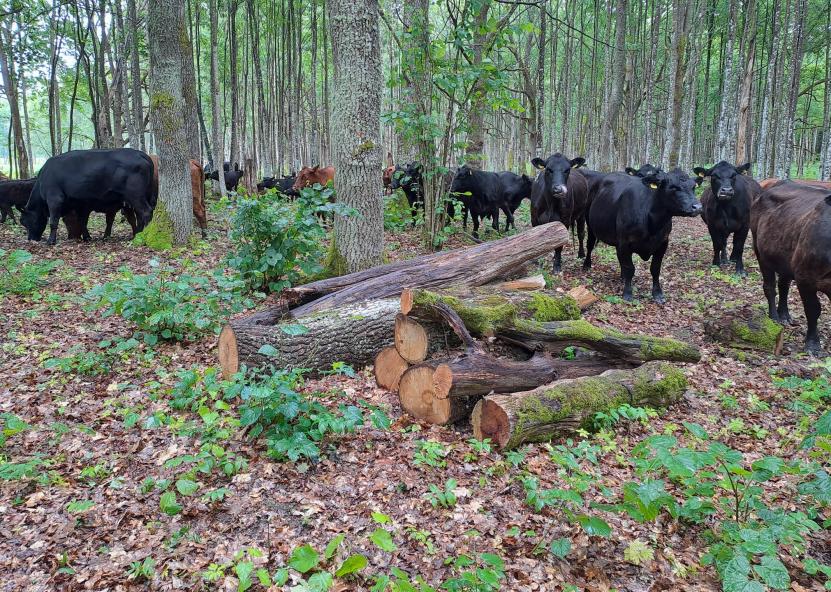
[
  {"x": 576, "y": 163},
  {"x": 744, "y": 169},
  {"x": 631, "y": 171},
  {"x": 651, "y": 181},
  {"x": 538, "y": 163},
  {"x": 701, "y": 172}
]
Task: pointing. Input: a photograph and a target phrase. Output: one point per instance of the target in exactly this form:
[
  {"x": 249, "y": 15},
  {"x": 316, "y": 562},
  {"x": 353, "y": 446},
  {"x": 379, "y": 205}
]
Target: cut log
[
  {"x": 389, "y": 366},
  {"x": 534, "y": 282},
  {"x": 563, "y": 406},
  {"x": 583, "y": 296},
  {"x": 441, "y": 391},
  {"x": 469, "y": 266},
  {"x": 350, "y": 334},
  {"x": 555, "y": 336},
  {"x": 411, "y": 339},
  {"x": 746, "y": 328}
]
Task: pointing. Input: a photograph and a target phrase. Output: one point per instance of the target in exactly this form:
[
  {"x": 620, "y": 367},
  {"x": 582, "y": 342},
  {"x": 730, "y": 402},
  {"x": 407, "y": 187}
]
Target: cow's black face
[
  {"x": 676, "y": 192},
  {"x": 35, "y": 223},
  {"x": 722, "y": 178},
  {"x": 461, "y": 180},
  {"x": 645, "y": 171},
  {"x": 555, "y": 172}
]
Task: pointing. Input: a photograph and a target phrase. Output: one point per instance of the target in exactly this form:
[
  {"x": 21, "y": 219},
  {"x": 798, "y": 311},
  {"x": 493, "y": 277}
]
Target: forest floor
[{"x": 85, "y": 512}]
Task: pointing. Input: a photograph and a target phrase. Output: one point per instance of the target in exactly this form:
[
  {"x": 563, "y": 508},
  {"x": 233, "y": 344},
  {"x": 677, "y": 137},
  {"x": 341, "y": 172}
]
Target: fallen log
[
  {"x": 410, "y": 338},
  {"x": 746, "y": 328},
  {"x": 350, "y": 334},
  {"x": 555, "y": 336},
  {"x": 468, "y": 266},
  {"x": 583, "y": 296},
  {"x": 388, "y": 367},
  {"x": 563, "y": 406}
]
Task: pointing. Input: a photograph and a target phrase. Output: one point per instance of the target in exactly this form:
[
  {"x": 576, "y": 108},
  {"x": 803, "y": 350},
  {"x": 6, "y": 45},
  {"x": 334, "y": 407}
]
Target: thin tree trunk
[
  {"x": 216, "y": 113},
  {"x": 10, "y": 85}
]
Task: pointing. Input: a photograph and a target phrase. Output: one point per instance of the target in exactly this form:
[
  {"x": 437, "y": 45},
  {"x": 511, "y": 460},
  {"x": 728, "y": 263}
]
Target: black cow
[
  {"x": 517, "y": 188},
  {"x": 560, "y": 193},
  {"x": 484, "y": 194},
  {"x": 726, "y": 209},
  {"x": 634, "y": 215},
  {"x": 14, "y": 194},
  {"x": 90, "y": 180},
  {"x": 283, "y": 184},
  {"x": 231, "y": 178},
  {"x": 645, "y": 170},
  {"x": 408, "y": 178}
]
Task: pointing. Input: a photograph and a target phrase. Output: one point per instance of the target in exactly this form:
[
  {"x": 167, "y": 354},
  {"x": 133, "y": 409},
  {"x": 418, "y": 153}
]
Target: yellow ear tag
[
  {"x": 653, "y": 185},
  {"x": 701, "y": 175},
  {"x": 541, "y": 168}
]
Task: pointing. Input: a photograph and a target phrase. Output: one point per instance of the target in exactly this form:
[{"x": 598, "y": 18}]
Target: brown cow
[
  {"x": 197, "y": 186},
  {"x": 767, "y": 183},
  {"x": 308, "y": 176},
  {"x": 387, "y": 177},
  {"x": 791, "y": 225}
]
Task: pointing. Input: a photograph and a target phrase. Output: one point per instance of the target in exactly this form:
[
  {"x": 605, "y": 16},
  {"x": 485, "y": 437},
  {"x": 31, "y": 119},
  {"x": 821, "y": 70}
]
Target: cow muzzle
[
  {"x": 559, "y": 190},
  {"x": 725, "y": 194}
]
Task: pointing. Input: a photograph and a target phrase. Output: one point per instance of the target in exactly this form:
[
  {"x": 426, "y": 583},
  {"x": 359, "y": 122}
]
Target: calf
[
  {"x": 308, "y": 176},
  {"x": 14, "y": 194},
  {"x": 197, "y": 188},
  {"x": 725, "y": 208},
  {"x": 634, "y": 215},
  {"x": 517, "y": 188},
  {"x": 645, "y": 170},
  {"x": 231, "y": 178},
  {"x": 86, "y": 180},
  {"x": 560, "y": 193},
  {"x": 408, "y": 178},
  {"x": 283, "y": 184},
  {"x": 386, "y": 177},
  {"x": 791, "y": 224}
]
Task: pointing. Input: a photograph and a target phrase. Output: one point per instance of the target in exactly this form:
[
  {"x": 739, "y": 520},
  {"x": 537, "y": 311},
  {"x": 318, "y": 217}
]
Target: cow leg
[
  {"x": 769, "y": 287},
  {"x": 655, "y": 270},
  {"x": 627, "y": 272},
  {"x": 6, "y": 212},
  {"x": 54, "y": 220},
  {"x": 715, "y": 236},
  {"x": 475, "y": 219},
  {"x": 495, "y": 219},
  {"x": 464, "y": 217},
  {"x": 509, "y": 218},
  {"x": 558, "y": 260},
  {"x": 810, "y": 301},
  {"x": 587, "y": 262},
  {"x": 110, "y": 218},
  {"x": 581, "y": 229},
  {"x": 130, "y": 216},
  {"x": 782, "y": 310},
  {"x": 739, "y": 238}
]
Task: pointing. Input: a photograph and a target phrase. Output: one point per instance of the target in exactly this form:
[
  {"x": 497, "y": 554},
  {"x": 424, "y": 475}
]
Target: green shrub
[
  {"x": 169, "y": 303},
  {"x": 278, "y": 242},
  {"x": 19, "y": 276}
]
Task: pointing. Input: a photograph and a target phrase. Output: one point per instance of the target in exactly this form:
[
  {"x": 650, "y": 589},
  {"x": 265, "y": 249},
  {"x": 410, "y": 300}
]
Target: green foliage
[
  {"x": 94, "y": 362},
  {"x": 445, "y": 498},
  {"x": 11, "y": 425},
  {"x": 169, "y": 303},
  {"x": 430, "y": 453},
  {"x": 18, "y": 275},
  {"x": 142, "y": 570},
  {"x": 604, "y": 420},
  {"x": 277, "y": 243}
]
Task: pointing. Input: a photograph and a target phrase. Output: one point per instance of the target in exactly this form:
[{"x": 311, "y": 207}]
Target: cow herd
[{"x": 630, "y": 210}]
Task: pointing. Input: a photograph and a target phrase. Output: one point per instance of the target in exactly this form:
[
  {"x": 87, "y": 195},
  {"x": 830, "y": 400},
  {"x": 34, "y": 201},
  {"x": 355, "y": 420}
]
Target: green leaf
[
  {"x": 268, "y": 350},
  {"x": 169, "y": 504},
  {"x": 333, "y": 545},
  {"x": 304, "y": 558},
  {"x": 79, "y": 506},
  {"x": 353, "y": 564},
  {"x": 773, "y": 573},
  {"x": 594, "y": 526},
  {"x": 383, "y": 540},
  {"x": 561, "y": 547},
  {"x": 294, "y": 329},
  {"x": 696, "y": 430},
  {"x": 380, "y": 518},
  {"x": 263, "y": 577},
  {"x": 187, "y": 486},
  {"x": 319, "y": 582}
]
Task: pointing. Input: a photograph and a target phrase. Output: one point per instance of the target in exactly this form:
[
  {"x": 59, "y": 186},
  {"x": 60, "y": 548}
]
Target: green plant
[
  {"x": 11, "y": 425},
  {"x": 430, "y": 453},
  {"x": 142, "y": 570},
  {"x": 18, "y": 275},
  {"x": 446, "y": 498},
  {"x": 169, "y": 303},
  {"x": 277, "y": 242},
  {"x": 607, "y": 419}
]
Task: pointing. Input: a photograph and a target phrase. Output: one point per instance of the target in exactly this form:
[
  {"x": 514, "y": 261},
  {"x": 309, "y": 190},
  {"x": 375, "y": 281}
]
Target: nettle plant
[
  {"x": 718, "y": 487},
  {"x": 170, "y": 303},
  {"x": 278, "y": 242}
]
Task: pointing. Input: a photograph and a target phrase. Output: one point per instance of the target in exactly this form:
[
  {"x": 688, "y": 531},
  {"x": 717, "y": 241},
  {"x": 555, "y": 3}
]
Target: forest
[{"x": 459, "y": 295}]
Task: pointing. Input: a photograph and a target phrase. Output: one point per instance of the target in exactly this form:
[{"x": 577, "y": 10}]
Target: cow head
[
  {"x": 555, "y": 171},
  {"x": 462, "y": 180},
  {"x": 645, "y": 170},
  {"x": 722, "y": 178},
  {"x": 675, "y": 191},
  {"x": 34, "y": 220},
  {"x": 266, "y": 183},
  {"x": 406, "y": 176}
]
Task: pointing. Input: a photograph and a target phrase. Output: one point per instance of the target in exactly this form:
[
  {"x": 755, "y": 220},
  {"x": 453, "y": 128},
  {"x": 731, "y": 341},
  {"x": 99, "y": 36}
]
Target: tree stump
[{"x": 746, "y": 328}]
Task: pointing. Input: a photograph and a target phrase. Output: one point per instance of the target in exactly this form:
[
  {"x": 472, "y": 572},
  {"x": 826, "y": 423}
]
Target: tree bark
[
  {"x": 358, "y": 241},
  {"x": 566, "y": 405},
  {"x": 165, "y": 33},
  {"x": 608, "y": 139},
  {"x": 725, "y": 136},
  {"x": 746, "y": 328},
  {"x": 10, "y": 86},
  {"x": 216, "y": 108},
  {"x": 137, "y": 119}
]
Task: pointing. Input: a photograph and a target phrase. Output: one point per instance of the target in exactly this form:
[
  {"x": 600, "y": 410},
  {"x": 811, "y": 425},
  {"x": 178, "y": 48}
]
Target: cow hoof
[
  {"x": 812, "y": 348},
  {"x": 784, "y": 318},
  {"x": 741, "y": 273},
  {"x": 628, "y": 298},
  {"x": 658, "y": 299},
  {"x": 587, "y": 266}
]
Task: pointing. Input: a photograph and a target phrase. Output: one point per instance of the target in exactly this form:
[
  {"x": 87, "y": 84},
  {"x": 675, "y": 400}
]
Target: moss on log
[
  {"x": 746, "y": 328},
  {"x": 563, "y": 406}
]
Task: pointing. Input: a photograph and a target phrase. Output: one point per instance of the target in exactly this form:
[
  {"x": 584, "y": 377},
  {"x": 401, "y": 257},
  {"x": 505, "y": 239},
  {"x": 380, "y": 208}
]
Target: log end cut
[
  {"x": 411, "y": 339},
  {"x": 228, "y": 352},
  {"x": 389, "y": 366},
  {"x": 490, "y": 421},
  {"x": 418, "y": 397}
]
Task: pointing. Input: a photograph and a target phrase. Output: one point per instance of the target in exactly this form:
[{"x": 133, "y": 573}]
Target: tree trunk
[
  {"x": 566, "y": 405},
  {"x": 191, "y": 111},
  {"x": 165, "y": 33},
  {"x": 743, "y": 130},
  {"x": 724, "y": 148},
  {"x": 137, "y": 118},
  {"x": 358, "y": 240},
  {"x": 10, "y": 86},
  {"x": 610, "y": 140},
  {"x": 216, "y": 109},
  {"x": 783, "y": 167}
]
